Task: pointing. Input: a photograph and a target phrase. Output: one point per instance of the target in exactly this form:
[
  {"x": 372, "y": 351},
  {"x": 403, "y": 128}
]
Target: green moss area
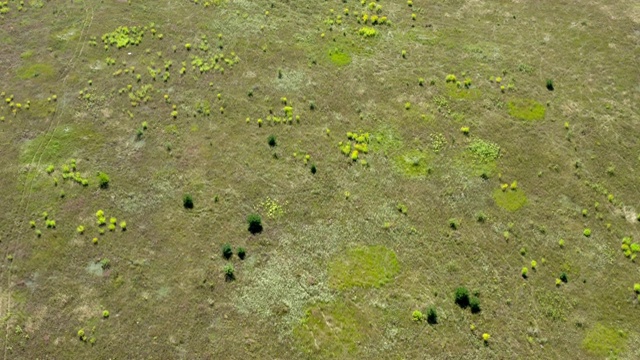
[
  {"x": 366, "y": 266},
  {"x": 40, "y": 71},
  {"x": 604, "y": 341},
  {"x": 511, "y": 200},
  {"x": 62, "y": 144},
  {"x": 413, "y": 163},
  {"x": 330, "y": 331},
  {"x": 526, "y": 109},
  {"x": 339, "y": 57}
]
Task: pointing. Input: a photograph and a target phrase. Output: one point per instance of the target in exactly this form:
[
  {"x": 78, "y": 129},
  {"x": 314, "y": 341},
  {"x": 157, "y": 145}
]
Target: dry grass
[{"x": 164, "y": 284}]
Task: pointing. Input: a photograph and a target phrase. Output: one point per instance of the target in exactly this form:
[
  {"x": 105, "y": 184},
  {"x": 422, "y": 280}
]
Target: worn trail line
[{"x": 25, "y": 196}]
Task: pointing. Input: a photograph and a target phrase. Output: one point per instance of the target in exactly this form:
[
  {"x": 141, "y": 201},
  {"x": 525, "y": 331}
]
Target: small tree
[
  {"x": 229, "y": 272},
  {"x": 272, "y": 141},
  {"x": 187, "y": 201},
  {"x": 462, "y": 297},
  {"x": 474, "y": 305},
  {"x": 255, "y": 223},
  {"x": 432, "y": 315},
  {"x": 226, "y": 251},
  {"x": 242, "y": 253}
]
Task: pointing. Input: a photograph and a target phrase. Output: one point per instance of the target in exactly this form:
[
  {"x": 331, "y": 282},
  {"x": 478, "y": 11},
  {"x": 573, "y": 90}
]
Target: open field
[{"x": 444, "y": 179}]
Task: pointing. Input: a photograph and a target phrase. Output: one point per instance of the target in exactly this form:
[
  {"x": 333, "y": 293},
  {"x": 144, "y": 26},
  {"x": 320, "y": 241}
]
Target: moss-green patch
[
  {"x": 330, "y": 330},
  {"x": 526, "y": 109},
  {"x": 365, "y": 266},
  {"x": 511, "y": 200},
  {"x": 60, "y": 145},
  {"x": 413, "y": 163},
  {"x": 339, "y": 57},
  {"x": 604, "y": 341},
  {"x": 40, "y": 71}
]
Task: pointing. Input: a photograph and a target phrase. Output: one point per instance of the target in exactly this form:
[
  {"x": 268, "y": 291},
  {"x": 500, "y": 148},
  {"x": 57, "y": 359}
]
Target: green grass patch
[
  {"x": 366, "y": 266},
  {"x": 511, "y": 200},
  {"x": 63, "y": 144},
  {"x": 413, "y": 163},
  {"x": 26, "y": 55},
  {"x": 330, "y": 330},
  {"x": 339, "y": 57},
  {"x": 456, "y": 92},
  {"x": 40, "y": 71},
  {"x": 604, "y": 341},
  {"x": 526, "y": 109}
]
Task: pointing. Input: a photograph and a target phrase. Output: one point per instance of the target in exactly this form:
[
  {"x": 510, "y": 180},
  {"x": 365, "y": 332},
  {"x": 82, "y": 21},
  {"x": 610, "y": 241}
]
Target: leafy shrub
[
  {"x": 432, "y": 315},
  {"x": 255, "y": 223},
  {"x": 229, "y": 272},
  {"x": 636, "y": 288},
  {"x": 418, "y": 316},
  {"x": 187, "y": 201},
  {"x": 525, "y": 272},
  {"x": 486, "y": 337},
  {"x": 454, "y": 223},
  {"x": 587, "y": 232},
  {"x": 226, "y": 251},
  {"x": 105, "y": 314},
  {"x": 481, "y": 217},
  {"x": 103, "y": 180},
  {"x": 462, "y": 297},
  {"x": 368, "y": 31},
  {"x": 474, "y": 305},
  {"x": 272, "y": 141},
  {"x": 242, "y": 253}
]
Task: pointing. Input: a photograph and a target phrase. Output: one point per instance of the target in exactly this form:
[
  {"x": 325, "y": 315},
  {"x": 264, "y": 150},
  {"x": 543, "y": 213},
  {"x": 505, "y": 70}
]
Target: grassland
[{"x": 395, "y": 151}]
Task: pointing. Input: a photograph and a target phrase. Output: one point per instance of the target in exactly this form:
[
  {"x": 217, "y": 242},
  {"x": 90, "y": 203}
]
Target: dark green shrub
[
  {"x": 564, "y": 278},
  {"x": 432, "y": 315},
  {"x": 474, "y": 305},
  {"x": 272, "y": 141},
  {"x": 242, "y": 253},
  {"x": 550, "y": 84},
  {"x": 462, "y": 297},
  {"x": 226, "y": 251},
  {"x": 103, "y": 180},
  {"x": 313, "y": 169},
  {"x": 255, "y": 223},
  {"x": 187, "y": 201}
]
